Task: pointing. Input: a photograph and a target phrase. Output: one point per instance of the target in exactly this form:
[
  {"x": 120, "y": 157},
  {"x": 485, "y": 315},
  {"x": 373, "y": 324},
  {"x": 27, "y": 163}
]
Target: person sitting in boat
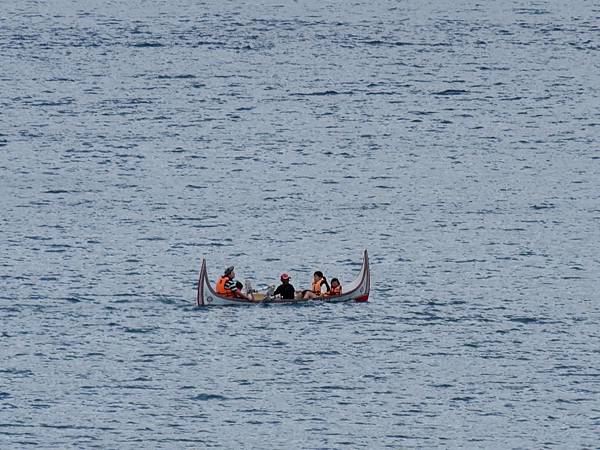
[
  {"x": 227, "y": 286},
  {"x": 336, "y": 288},
  {"x": 315, "y": 291},
  {"x": 285, "y": 290}
]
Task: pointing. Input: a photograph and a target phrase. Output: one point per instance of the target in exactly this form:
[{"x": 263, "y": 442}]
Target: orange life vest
[
  {"x": 316, "y": 286},
  {"x": 335, "y": 290},
  {"x": 221, "y": 289}
]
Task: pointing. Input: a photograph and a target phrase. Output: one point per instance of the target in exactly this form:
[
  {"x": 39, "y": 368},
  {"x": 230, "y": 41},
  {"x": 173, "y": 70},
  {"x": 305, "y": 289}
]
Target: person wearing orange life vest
[
  {"x": 228, "y": 287},
  {"x": 315, "y": 290},
  {"x": 336, "y": 288}
]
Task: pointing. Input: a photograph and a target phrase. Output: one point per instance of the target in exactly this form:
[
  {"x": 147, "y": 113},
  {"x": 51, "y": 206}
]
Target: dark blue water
[{"x": 456, "y": 141}]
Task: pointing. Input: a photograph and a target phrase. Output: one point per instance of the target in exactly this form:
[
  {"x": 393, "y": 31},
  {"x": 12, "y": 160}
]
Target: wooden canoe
[{"x": 356, "y": 291}]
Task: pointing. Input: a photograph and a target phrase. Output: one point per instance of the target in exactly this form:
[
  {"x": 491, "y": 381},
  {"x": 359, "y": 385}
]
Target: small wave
[
  {"x": 38, "y": 238},
  {"x": 335, "y": 388},
  {"x": 530, "y": 11},
  {"x": 140, "y": 330},
  {"x": 56, "y": 191},
  {"x": 493, "y": 68},
  {"x": 148, "y": 44},
  {"x": 209, "y": 225},
  {"x": 525, "y": 320},
  {"x": 176, "y": 77},
  {"x": 17, "y": 372},
  {"x": 462, "y": 399},
  {"x": 201, "y": 43},
  {"x": 388, "y": 43},
  {"x": 206, "y": 397},
  {"x": 543, "y": 206},
  {"x": 467, "y": 261},
  {"x": 449, "y": 92},
  {"x": 49, "y": 103},
  {"x": 322, "y": 93}
]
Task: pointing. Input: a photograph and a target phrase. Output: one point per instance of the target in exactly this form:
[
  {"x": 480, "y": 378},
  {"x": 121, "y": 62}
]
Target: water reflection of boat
[{"x": 356, "y": 291}]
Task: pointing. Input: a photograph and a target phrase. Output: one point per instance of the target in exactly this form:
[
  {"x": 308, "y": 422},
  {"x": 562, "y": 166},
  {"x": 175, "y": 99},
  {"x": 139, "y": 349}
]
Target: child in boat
[
  {"x": 315, "y": 291},
  {"x": 285, "y": 290},
  {"x": 336, "y": 288}
]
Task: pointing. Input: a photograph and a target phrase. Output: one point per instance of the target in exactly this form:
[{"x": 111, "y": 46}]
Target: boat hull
[{"x": 357, "y": 291}]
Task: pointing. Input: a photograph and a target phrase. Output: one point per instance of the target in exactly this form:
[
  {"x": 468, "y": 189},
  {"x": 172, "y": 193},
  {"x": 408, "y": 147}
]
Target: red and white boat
[{"x": 356, "y": 291}]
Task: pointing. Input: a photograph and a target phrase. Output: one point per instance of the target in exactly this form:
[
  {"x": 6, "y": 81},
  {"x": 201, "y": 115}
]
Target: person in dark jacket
[{"x": 285, "y": 289}]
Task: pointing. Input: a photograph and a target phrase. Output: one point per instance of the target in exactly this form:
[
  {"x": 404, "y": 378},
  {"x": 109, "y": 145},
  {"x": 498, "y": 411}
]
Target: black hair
[
  {"x": 239, "y": 285},
  {"x": 319, "y": 273},
  {"x": 335, "y": 279}
]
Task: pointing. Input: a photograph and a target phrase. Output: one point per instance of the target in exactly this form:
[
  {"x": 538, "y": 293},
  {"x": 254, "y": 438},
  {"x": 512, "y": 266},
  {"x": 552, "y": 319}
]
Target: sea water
[{"x": 456, "y": 141}]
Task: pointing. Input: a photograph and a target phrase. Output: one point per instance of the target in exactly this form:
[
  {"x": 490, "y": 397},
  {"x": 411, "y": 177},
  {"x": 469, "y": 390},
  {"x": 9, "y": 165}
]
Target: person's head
[
  {"x": 318, "y": 275},
  {"x": 229, "y": 272},
  {"x": 285, "y": 278},
  {"x": 239, "y": 285},
  {"x": 335, "y": 282}
]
